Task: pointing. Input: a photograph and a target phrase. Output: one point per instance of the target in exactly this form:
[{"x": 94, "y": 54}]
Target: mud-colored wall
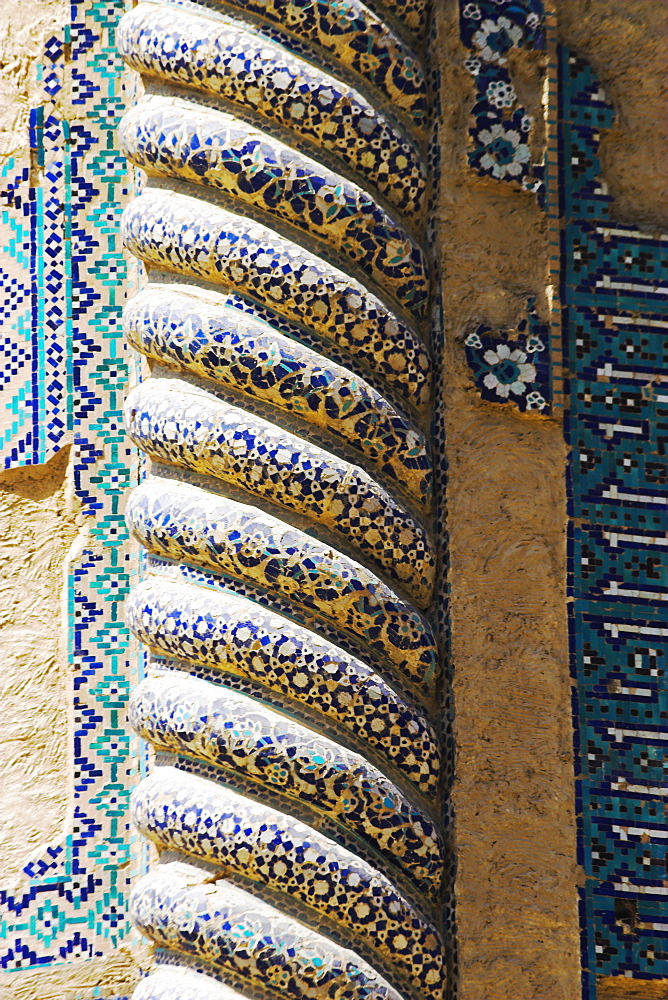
[
  {"x": 626, "y": 42},
  {"x": 515, "y": 834},
  {"x": 513, "y": 790},
  {"x": 112, "y": 976}
]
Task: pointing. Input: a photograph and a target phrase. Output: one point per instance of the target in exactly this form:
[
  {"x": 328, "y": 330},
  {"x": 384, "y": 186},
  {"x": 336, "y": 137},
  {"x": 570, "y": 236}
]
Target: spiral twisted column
[{"x": 291, "y": 694}]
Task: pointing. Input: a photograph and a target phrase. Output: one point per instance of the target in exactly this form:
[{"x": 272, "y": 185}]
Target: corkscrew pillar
[{"x": 291, "y": 698}]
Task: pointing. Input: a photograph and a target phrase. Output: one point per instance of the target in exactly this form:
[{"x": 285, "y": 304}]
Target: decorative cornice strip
[
  {"x": 291, "y": 688},
  {"x": 234, "y": 635},
  {"x": 196, "y": 332},
  {"x": 259, "y": 77}
]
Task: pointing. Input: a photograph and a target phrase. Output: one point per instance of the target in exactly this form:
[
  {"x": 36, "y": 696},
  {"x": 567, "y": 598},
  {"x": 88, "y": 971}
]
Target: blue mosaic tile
[
  {"x": 512, "y": 367},
  {"x": 501, "y": 129},
  {"x": 614, "y": 326},
  {"x": 284, "y": 248},
  {"x": 61, "y": 298}
]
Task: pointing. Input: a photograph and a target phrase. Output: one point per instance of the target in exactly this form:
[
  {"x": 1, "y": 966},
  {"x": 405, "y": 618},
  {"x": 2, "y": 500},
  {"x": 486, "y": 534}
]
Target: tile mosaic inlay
[
  {"x": 615, "y": 321},
  {"x": 64, "y": 286},
  {"x": 293, "y": 667},
  {"x": 323, "y": 114},
  {"x": 512, "y": 367},
  {"x": 195, "y": 332},
  {"x": 500, "y": 134}
]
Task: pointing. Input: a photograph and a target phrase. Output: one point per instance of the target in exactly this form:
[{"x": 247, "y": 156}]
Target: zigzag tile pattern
[{"x": 294, "y": 672}]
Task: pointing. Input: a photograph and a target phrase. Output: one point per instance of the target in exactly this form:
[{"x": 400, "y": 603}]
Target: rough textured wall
[
  {"x": 513, "y": 791},
  {"x": 89, "y": 979},
  {"x": 626, "y": 43},
  {"x": 37, "y": 529},
  {"x": 24, "y": 27}
]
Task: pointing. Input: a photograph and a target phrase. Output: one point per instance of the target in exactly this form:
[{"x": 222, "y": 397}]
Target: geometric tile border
[
  {"x": 615, "y": 344},
  {"x": 62, "y": 306}
]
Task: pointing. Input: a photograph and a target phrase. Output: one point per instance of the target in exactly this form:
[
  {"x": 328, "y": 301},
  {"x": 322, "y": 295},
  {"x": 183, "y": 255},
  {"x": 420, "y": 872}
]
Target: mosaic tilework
[
  {"x": 264, "y": 682},
  {"x": 358, "y": 41},
  {"x": 184, "y": 427},
  {"x": 193, "y": 239},
  {"x": 34, "y": 313},
  {"x": 512, "y": 367},
  {"x": 224, "y": 58},
  {"x": 243, "y": 542},
  {"x": 501, "y": 128},
  {"x": 200, "y": 334},
  {"x": 235, "y": 636},
  {"x": 181, "y": 908},
  {"x": 168, "y": 137},
  {"x": 257, "y": 748},
  {"x": 69, "y": 371},
  {"x": 615, "y": 322},
  {"x": 508, "y": 366},
  {"x": 338, "y": 887}
]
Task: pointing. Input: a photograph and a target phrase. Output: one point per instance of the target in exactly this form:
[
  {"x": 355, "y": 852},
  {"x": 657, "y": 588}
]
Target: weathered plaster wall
[
  {"x": 37, "y": 529},
  {"x": 513, "y": 791},
  {"x": 115, "y": 975},
  {"x": 24, "y": 27},
  {"x": 626, "y": 42}
]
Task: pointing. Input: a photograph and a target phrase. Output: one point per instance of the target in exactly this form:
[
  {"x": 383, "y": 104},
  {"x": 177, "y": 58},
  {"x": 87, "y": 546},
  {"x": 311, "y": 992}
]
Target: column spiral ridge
[{"x": 291, "y": 698}]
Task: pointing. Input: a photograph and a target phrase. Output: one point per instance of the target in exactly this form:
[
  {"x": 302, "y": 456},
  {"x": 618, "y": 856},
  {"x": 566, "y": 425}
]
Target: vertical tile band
[
  {"x": 292, "y": 695},
  {"x": 615, "y": 318}
]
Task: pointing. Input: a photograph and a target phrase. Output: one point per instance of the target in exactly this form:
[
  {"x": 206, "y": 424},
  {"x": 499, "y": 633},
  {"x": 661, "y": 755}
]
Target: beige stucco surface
[
  {"x": 114, "y": 975},
  {"x": 38, "y": 528},
  {"x": 626, "y": 41},
  {"x": 514, "y": 832},
  {"x": 24, "y": 27}
]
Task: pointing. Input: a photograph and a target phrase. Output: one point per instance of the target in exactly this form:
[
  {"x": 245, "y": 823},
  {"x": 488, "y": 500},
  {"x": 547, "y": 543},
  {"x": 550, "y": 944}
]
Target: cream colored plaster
[
  {"x": 38, "y": 528},
  {"x": 24, "y": 27},
  {"x": 114, "y": 975}
]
